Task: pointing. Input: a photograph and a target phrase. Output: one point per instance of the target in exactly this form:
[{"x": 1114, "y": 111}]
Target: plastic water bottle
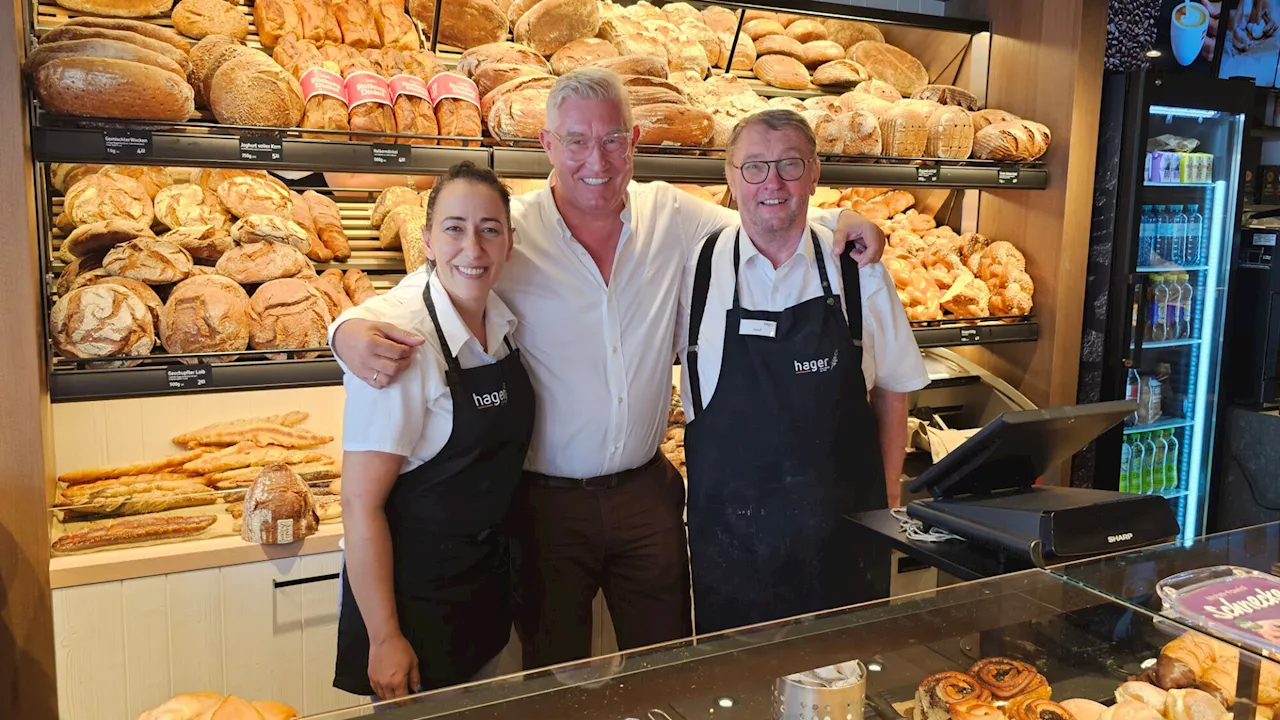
[
  {"x": 1126, "y": 457},
  {"x": 1178, "y": 238},
  {"x": 1195, "y": 234},
  {"x": 1137, "y": 460},
  {"x": 1148, "y": 464},
  {"x": 1160, "y": 243},
  {"x": 1146, "y": 235},
  {"x": 1132, "y": 389},
  {"x": 1172, "y": 457}
]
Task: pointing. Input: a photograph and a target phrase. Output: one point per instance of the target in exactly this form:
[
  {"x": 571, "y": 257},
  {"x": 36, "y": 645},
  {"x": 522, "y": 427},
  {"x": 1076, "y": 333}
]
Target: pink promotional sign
[
  {"x": 1241, "y": 604},
  {"x": 319, "y": 81},
  {"x": 452, "y": 85},
  {"x": 366, "y": 87}
]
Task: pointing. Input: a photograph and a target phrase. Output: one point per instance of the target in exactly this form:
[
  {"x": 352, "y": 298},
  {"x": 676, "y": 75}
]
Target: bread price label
[
  {"x": 260, "y": 148},
  {"x": 186, "y": 377},
  {"x": 124, "y": 144},
  {"x": 926, "y": 174},
  {"x": 385, "y": 154},
  {"x": 410, "y": 85},
  {"x": 453, "y": 85},
  {"x": 1008, "y": 176},
  {"x": 366, "y": 87},
  {"x": 320, "y": 81}
]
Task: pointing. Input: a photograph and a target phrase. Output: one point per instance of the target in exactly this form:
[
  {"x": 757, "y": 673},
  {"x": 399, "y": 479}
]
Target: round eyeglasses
[{"x": 757, "y": 171}]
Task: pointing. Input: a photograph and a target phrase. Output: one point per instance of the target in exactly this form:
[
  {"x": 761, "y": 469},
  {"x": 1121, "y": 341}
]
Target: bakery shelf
[
  {"x": 837, "y": 170},
  {"x": 1170, "y": 268},
  {"x": 1169, "y": 423},
  {"x": 948, "y": 333},
  {"x": 69, "y": 383}
]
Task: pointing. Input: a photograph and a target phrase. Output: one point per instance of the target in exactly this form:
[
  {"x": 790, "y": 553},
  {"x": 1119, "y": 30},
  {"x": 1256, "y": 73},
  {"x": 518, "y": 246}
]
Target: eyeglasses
[
  {"x": 757, "y": 171},
  {"x": 579, "y": 147}
]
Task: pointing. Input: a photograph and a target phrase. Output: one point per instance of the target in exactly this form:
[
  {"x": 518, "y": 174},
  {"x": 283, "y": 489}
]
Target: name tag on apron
[{"x": 759, "y": 328}]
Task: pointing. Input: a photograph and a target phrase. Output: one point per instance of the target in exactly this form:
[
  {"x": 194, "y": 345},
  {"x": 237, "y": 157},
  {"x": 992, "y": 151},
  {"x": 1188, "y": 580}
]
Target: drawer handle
[{"x": 304, "y": 581}]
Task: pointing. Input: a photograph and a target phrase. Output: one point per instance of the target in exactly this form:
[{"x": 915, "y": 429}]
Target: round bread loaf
[
  {"x": 207, "y": 242},
  {"x": 245, "y": 195},
  {"x": 107, "y": 87},
  {"x": 152, "y": 178},
  {"x": 719, "y": 19},
  {"x": 530, "y": 82},
  {"x": 703, "y": 35},
  {"x": 781, "y": 45},
  {"x": 851, "y": 32},
  {"x": 463, "y": 23},
  {"x": 149, "y": 260},
  {"x": 820, "y": 52},
  {"x": 202, "y": 18},
  {"x": 494, "y": 75},
  {"x": 254, "y": 90},
  {"x": 635, "y": 65},
  {"x": 518, "y": 115},
  {"x": 678, "y": 12},
  {"x": 827, "y": 130},
  {"x": 744, "y": 54},
  {"x": 98, "y": 198},
  {"x": 500, "y": 52},
  {"x": 262, "y": 261},
  {"x": 278, "y": 509},
  {"x": 786, "y": 102},
  {"x": 212, "y": 178},
  {"x": 334, "y": 296},
  {"x": 88, "y": 278},
  {"x": 551, "y": 24},
  {"x": 685, "y": 54},
  {"x": 288, "y": 314},
  {"x": 839, "y": 73},
  {"x": 209, "y": 313},
  {"x": 270, "y": 229},
  {"x": 74, "y": 269},
  {"x": 517, "y": 10},
  {"x": 861, "y": 133},
  {"x": 64, "y": 175},
  {"x": 99, "y": 48},
  {"x": 100, "y": 321},
  {"x": 879, "y": 89},
  {"x": 99, "y": 237},
  {"x": 760, "y": 27},
  {"x": 855, "y": 100},
  {"x": 825, "y": 103},
  {"x": 895, "y": 66},
  {"x": 143, "y": 292},
  {"x": 781, "y": 71},
  {"x": 581, "y": 52},
  {"x": 806, "y": 31},
  {"x": 189, "y": 204},
  {"x": 983, "y": 118},
  {"x": 206, "y": 57},
  {"x": 671, "y": 124}
]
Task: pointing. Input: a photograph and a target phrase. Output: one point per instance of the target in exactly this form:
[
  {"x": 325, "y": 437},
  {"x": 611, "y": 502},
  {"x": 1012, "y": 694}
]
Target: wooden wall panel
[
  {"x": 147, "y": 661},
  {"x": 196, "y": 647}
]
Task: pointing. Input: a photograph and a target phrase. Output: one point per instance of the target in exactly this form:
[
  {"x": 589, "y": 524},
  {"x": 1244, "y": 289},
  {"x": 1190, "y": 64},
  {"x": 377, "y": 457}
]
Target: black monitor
[{"x": 1016, "y": 448}]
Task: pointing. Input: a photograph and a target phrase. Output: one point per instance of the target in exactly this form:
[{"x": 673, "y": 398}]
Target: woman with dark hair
[{"x": 431, "y": 463}]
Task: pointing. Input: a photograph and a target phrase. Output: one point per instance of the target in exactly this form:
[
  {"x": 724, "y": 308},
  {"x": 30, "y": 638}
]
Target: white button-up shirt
[
  {"x": 599, "y": 355},
  {"x": 890, "y": 357},
  {"x": 413, "y": 416}
]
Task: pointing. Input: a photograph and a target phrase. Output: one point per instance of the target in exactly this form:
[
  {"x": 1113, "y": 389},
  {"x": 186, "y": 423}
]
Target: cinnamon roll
[
  {"x": 976, "y": 710},
  {"x": 1034, "y": 708},
  {"x": 1008, "y": 679},
  {"x": 937, "y": 693}
]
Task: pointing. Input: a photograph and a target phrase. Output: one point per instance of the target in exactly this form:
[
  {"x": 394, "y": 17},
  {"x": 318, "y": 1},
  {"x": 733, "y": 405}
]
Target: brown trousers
[{"x": 628, "y": 540}]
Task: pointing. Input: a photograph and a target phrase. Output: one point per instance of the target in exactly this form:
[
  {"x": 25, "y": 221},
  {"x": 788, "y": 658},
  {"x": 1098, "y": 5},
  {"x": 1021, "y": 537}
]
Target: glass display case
[{"x": 1084, "y": 644}]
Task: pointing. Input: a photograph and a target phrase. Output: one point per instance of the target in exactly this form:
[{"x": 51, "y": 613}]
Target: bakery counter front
[{"x": 1028, "y": 646}]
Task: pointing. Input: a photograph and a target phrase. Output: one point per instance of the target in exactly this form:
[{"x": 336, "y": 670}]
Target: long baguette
[
  {"x": 244, "y": 477},
  {"x": 253, "y": 457},
  {"x": 151, "y": 30},
  {"x": 289, "y": 419},
  {"x": 126, "y": 486},
  {"x": 142, "y": 504},
  {"x": 133, "y": 530},
  {"x": 265, "y": 434},
  {"x": 89, "y": 475}
]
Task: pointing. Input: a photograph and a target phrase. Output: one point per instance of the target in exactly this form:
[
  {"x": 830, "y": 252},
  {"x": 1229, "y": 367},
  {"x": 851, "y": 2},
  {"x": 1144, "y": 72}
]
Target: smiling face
[
  {"x": 469, "y": 239},
  {"x": 591, "y": 180},
  {"x": 775, "y": 207}
]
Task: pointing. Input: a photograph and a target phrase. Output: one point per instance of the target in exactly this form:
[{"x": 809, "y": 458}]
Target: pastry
[
  {"x": 975, "y": 710},
  {"x": 938, "y": 692},
  {"x": 290, "y": 419},
  {"x": 890, "y": 64},
  {"x": 358, "y": 286},
  {"x": 1036, "y": 708},
  {"x": 201, "y": 18},
  {"x": 246, "y": 195},
  {"x": 98, "y": 198},
  {"x": 89, "y": 475},
  {"x": 151, "y": 260},
  {"x": 1004, "y": 677},
  {"x": 270, "y": 228},
  {"x": 97, "y": 238},
  {"x": 262, "y": 261},
  {"x": 206, "y": 242},
  {"x": 189, "y": 204},
  {"x": 288, "y": 314},
  {"x": 133, "y": 530},
  {"x": 1082, "y": 709},
  {"x": 1143, "y": 692}
]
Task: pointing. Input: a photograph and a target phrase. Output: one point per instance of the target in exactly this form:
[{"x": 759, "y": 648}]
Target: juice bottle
[
  {"x": 1186, "y": 316},
  {"x": 1137, "y": 460},
  {"x": 1126, "y": 457},
  {"x": 1195, "y": 228},
  {"x": 1158, "y": 308},
  {"x": 1157, "y": 477},
  {"x": 1178, "y": 235},
  {"x": 1172, "y": 457},
  {"x": 1173, "y": 307},
  {"x": 1148, "y": 464}
]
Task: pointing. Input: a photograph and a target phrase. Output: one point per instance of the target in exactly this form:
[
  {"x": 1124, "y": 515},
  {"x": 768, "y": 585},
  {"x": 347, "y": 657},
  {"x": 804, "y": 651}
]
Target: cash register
[{"x": 985, "y": 490}]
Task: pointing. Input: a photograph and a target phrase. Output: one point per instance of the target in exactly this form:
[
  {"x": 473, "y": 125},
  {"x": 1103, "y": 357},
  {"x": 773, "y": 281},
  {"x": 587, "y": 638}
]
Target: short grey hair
[
  {"x": 589, "y": 84},
  {"x": 774, "y": 119}
]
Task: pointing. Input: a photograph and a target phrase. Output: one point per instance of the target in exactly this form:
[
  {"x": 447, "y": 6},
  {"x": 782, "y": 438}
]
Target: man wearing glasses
[
  {"x": 594, "y": 282},
  {"x": 782, "y": 439}
]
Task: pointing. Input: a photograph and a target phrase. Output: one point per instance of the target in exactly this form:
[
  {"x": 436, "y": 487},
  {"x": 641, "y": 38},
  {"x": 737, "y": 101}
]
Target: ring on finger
[{"x": 376, "y": 373}]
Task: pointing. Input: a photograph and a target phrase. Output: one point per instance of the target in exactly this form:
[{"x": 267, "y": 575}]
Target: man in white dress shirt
[
  {"x": 594, "y": 281},
  {"x": 777, "y": 363}
]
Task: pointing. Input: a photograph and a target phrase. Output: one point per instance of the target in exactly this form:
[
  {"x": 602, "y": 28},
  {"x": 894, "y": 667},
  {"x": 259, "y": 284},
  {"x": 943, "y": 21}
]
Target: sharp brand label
[
  {"x": 452, "y": 85},
  {"x": 320, "y": 81},
  {"x": 1119, "y": 538},
  {"x": 821, "y": 365},
  {"x": 411, "y": 85},
  {"x": 258, "y": 148},
  {"x": 490, "y": 400},
  {"x": 366, "y": 87},
  {"x": 188, "y": 376},
  {"x": 124, "y": 144}
]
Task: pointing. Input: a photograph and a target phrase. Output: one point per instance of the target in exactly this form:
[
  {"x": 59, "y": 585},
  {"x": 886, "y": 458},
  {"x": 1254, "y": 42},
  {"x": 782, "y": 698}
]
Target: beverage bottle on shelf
[
  {"x": 1178, "y": 236},
  {"x": 1137, "y": 459},
  {"x": 1148, "y": 464},
  {"x": 1146, "y": 234},
  {"x": 1195, "y": 232},
  {"x": 1157, "y": 476},
  {"x": 1158, "y": 248},
  {"x": 1158, "y": 308},
  {"x": 1186, "y": 313},
  {"x": 1126, "y": 457},
  {"x": 1133, "y": 382},
  {"x": 1173, "y": 307},
  {"x": 1172, "y": 458}
]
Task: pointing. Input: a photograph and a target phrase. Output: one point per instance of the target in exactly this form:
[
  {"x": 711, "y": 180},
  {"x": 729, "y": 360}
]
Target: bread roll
[
  {"x": 275, "y": 19},
  {"x": 552, "y": 24},
  {"x": 288, "y": 314},
  {"x": 782, "y": 72},
  {"x": 828, "y": 131},
  {"x": 463, "y": 23},
  {"x": 807, "y": 31},
  {"x": 328, "y": 224},
  {"x": 983, "y": 118},
  {"x": 820, "y": 52},
  {"x": 1129, "y": 710},
  {"x": 254, "y": 90},
  {"x": 760, "y": 27},
  {"x": 140, "y": 27},
  {"x": 635, "y": 65},
  {"x": 107, "y": 87},
  {"x": 98, "y": 48},
  {"x": 98, "y": 237},
  {"x": 201, "y": 18},
  {"x": 672, "y": 124},
  {"x": 839, "y": 73},
  {"x": 102, "y": 321},
  {"x": 581, "y": 52},
  {"x": 262, "y": 261},
  {"x": 99, "y": 198},
  {"x": 207, "y": 242},
  {"x": 862, "y": 135},
  {"x": 781, "y": 45},
  {"x": 850, "y": 32},
  {"x": 950, "y": 134},
  {"x": 892, "y": 65},
  {"x": 183, "y": 705},
  {"x": 119, "y": 8},
  {"x": 500, "y": 52},
  {"x": 1083, "y": 709}
]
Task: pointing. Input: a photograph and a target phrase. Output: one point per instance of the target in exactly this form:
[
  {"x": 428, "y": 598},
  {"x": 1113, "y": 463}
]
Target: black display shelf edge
[
  {"x": 531, "y": 163},
  {"x": 59, "y": 144},
  {"x": 985, "y": 334},
  {"x": 74, "y": 385}
]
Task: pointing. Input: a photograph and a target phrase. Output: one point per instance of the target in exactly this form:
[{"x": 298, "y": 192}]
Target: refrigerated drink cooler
[{"x": 1169, "y": 168}]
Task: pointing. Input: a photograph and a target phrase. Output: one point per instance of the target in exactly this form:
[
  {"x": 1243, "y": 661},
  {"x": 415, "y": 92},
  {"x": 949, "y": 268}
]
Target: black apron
[
  {"x": 450, "y": 557},
  {"x": 787, "y": 446}
]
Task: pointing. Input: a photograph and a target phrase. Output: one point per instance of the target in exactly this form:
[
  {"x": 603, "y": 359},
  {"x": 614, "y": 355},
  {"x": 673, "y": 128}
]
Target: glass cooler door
[{"x": 1179, "y": 274}]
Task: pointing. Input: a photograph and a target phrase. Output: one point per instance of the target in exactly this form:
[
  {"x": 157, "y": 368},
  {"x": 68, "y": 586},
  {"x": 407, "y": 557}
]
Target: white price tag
[{"x": 759, "y": 328}]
